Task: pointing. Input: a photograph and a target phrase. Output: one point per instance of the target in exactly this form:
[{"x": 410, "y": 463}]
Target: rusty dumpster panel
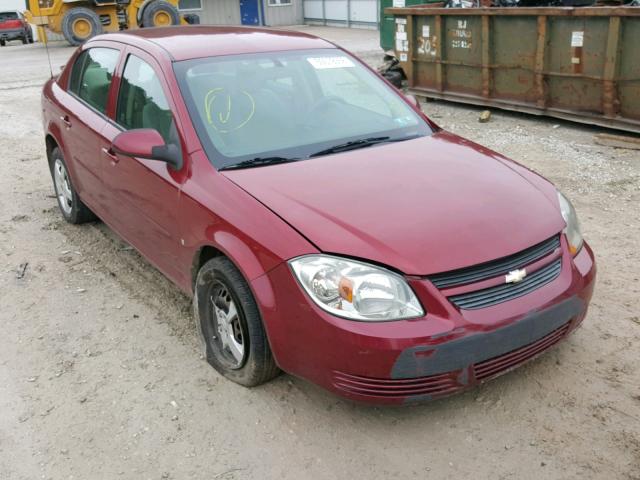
[{"x": 579, "y": 64}]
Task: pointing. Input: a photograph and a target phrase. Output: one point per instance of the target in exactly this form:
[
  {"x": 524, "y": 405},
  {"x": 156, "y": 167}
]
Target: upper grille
[
  {"x": 495, "y": 268},
  {"x": 507, "y": 291}
]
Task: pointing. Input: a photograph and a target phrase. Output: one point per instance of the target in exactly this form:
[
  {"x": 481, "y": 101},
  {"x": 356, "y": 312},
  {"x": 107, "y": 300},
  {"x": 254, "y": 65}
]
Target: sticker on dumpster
[
  {"x": 403, "y": 57},
  {"x": 401, "y": 21},
  {"x": 400, "y": 28},
  {"x": 575, "y": 60},
  {"x": 425, "y": 31},
  {"x": 402, "y": 45},
  {"x": 401, "y": 35},
  {"x": 398, "y": 3},
  {"x": 577, "y": 39},
  {"x": 320, "y": 63}
]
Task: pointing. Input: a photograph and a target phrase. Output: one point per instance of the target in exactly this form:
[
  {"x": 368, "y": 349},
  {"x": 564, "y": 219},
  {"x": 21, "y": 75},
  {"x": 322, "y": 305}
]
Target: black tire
[
  {"x": 160, "y": 9},
  {"x": 30, "y": 37},
  {"x": 78, "y": 212},
  {"x": 25, "y": 39},
  {"x": 258, "y": 365},
  {"x": 2, "y": 43},
  {"x": 76, "y": 17}
]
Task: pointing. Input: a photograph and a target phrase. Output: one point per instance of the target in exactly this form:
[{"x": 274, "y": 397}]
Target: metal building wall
[
  {"x": 219, "y": 12},
  {"x": 342, "y": 13},
  {"x": 283, "y": 14}
]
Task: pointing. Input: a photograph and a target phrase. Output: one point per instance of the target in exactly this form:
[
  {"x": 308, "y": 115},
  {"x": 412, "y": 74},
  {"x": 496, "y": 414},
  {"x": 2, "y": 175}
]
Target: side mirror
[
  {"x": 413, "y": 101},
  {"x": 147, "y": 143}
]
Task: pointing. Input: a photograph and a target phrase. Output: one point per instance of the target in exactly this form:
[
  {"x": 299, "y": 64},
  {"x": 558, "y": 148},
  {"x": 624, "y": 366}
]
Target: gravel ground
[{"x": 100, "y": 375}]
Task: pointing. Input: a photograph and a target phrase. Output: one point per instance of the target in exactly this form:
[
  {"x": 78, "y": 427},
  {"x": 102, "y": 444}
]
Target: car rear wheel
[
  {"x": 234, "y": 340},
  {"x": 71, "y": 207},
  {"x": 2, "y": 43},
  {"x": 79, "y": 24},
  {"x": 160, "y": 14},
  {"x": 25, "y": 39}
]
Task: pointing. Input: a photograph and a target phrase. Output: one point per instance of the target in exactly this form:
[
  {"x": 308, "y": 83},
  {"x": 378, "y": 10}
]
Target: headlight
[
  {"x": 572, "y": 230},
  {"x": 356, "y": 290}
]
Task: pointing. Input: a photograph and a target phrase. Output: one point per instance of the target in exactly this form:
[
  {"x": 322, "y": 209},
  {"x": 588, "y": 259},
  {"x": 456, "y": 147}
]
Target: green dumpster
[{"x": 580, "y": 64}]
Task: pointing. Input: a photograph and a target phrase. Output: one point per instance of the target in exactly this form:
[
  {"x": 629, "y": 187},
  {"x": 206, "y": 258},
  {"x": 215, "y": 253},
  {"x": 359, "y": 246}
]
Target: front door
[
  {"x": 249, "y": 13},
  {"x": 145, "y": 193}
]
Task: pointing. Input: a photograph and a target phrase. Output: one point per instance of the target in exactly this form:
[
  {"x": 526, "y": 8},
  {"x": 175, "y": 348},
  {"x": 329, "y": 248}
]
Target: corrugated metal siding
[
  {"x": 219, "y": 12},
  {"x": 283, "y": 14},
  {"x": 52, "y": 37},
  {"x": 342, "y": 13}
]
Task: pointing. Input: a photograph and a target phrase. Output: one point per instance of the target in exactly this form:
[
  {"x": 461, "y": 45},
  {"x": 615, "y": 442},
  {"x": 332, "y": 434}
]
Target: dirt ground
[{"x": 100, "y": 374}]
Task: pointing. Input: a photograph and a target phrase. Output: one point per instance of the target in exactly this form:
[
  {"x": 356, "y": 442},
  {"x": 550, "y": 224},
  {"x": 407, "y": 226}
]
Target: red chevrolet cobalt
[{"x": 322, "y": 223}]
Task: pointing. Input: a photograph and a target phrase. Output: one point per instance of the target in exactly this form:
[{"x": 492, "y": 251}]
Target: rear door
[
  {"x": 83, "y": 117},
  {"x": 144, "y": 193}
]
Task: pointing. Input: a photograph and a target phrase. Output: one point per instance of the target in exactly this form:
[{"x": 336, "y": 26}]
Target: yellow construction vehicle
[{"x": 79, "y": 20}]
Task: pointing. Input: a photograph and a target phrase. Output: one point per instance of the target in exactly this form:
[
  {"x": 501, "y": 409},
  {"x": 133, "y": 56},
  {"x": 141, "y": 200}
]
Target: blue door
[{"x": 249, "y": 12}]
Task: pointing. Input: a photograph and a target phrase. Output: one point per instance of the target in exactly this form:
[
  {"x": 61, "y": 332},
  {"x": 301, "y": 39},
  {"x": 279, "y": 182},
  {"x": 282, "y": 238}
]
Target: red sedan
[{"x": 322, "y": 223}]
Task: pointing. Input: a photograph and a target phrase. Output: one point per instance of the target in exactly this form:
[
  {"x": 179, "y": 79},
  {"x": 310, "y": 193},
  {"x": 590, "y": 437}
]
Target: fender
[{"x": 215, "y": 212}]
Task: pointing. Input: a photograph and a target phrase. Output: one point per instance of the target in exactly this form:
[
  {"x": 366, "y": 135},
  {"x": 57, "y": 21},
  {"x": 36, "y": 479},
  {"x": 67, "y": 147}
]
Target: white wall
[
  {"x": 13, "y": 5},
  {"x": 342, "y": 13}
]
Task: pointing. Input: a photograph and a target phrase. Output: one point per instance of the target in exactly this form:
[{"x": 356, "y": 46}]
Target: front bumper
[
  {"x": 447, "y": 351},
  {"x": 13, "y": 34}
]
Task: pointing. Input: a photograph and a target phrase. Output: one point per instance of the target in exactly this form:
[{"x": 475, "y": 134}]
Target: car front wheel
[{"x": 228, "y": 319}]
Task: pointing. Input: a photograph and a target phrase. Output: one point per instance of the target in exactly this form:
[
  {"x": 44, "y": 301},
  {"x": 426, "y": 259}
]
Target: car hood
[{"x": 421, "y": 206}]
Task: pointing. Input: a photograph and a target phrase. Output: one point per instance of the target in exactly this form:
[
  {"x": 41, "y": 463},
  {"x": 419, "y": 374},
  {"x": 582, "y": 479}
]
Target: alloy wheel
[
  {"x": 63, "y": 187},
  {"x": 228, "y": 333}
]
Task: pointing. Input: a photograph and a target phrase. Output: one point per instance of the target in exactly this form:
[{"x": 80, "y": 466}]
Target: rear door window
[
  {"x": 142, "y": 102},
  {"x": 91, "y": 76}
]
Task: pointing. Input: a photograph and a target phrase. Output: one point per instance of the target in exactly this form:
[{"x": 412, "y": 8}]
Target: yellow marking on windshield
[
  {"x": 226, "y": 119},
  {"x": 222, "y": 118}
]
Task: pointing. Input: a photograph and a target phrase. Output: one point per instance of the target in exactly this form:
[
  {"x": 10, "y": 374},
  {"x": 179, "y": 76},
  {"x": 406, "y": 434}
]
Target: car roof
[{"x": 185, "y": 42}]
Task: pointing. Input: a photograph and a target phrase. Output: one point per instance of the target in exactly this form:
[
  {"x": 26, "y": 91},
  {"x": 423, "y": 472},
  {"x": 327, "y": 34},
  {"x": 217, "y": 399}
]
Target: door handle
[
  {"x": 66, "y": 121},
  {"x": 111, "y": 154}
]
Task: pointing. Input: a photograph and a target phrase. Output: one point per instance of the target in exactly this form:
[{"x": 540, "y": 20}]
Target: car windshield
[
  {"x": 4, "y": 16},
  {"x": 291, "y": 105}
]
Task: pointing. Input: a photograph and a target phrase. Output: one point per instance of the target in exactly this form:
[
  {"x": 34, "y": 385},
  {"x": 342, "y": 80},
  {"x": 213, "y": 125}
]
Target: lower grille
[
  {"x": 506, "y": 361},
  {"x": 508, "y": 291},
  {"x": 440, "y": 384}
]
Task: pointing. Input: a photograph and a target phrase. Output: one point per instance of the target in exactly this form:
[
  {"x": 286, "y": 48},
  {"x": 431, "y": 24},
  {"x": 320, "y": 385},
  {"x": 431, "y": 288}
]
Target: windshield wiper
[
  {"x": 352, "y": 145},
  {"x": 365, "y": 142},
  {"x": 258, "y": 162}
]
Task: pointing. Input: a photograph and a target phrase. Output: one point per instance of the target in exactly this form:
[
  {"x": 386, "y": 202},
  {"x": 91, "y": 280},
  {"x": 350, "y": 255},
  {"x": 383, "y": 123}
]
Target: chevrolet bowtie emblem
[{"x": 515, "y": 276}]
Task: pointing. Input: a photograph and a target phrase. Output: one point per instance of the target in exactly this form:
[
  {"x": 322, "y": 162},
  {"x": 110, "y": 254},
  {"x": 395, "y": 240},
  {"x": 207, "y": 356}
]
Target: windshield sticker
[{"x": 321, "y": 63}]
